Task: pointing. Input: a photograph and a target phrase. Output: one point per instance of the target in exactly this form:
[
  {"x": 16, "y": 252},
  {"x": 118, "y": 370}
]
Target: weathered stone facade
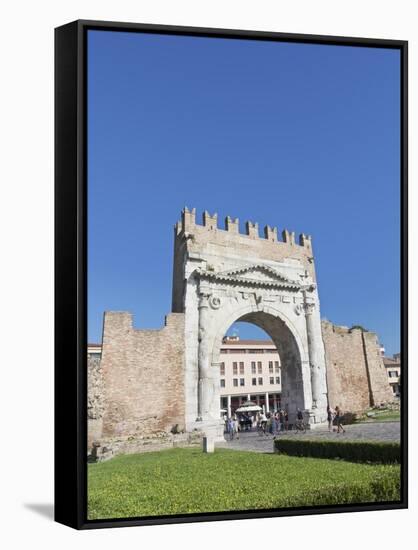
[
  {"x": 156, "y": 388},
  {"x": 143, "y": 380},
  {"x": 222, "y": 276},
  {"x": 95, "y": 399},
  {"x": 356, "y": 376}
]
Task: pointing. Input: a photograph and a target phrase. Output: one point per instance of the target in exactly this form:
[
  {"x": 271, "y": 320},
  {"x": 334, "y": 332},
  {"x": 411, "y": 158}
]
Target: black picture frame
[{"x": 71, "y": 269}]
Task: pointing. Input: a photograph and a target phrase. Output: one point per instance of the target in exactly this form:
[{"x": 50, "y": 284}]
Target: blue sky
[{"x": 300, "y": 136}]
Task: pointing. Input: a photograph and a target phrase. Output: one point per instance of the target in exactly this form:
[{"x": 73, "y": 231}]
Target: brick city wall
[
  {"x": 136, "y": 392},
  {"x": 356, "y": 376},
  {"x": 143, "y": 379}
]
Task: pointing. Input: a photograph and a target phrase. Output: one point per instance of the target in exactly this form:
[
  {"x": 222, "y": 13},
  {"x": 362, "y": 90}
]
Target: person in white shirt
[{"x": 263, "y": 422}]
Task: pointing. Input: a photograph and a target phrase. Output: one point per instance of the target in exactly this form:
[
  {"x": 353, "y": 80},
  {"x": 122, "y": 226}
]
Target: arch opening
[{"x": 266, "y": 371}]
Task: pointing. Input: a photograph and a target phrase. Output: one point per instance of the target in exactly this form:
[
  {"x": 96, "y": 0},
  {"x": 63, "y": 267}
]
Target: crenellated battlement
[{"x": 187, "y": 224}]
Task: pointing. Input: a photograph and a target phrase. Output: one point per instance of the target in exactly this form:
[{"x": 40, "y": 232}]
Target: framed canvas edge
[{"x": 71, "y": 271}]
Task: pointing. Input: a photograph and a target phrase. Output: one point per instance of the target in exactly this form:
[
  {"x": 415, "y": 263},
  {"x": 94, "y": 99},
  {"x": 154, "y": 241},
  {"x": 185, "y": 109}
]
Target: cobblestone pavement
[{"x": 377, "y": 431}]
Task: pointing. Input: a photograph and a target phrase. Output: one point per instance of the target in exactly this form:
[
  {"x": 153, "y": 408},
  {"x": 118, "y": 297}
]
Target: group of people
[
  {"x": 335, "y": 418},
  {"x": 274, "y": 423},
  {"x": 270, "y": 423}
]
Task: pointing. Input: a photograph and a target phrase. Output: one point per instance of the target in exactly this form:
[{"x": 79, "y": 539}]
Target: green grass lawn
[
  {"x": 182, "y": 481},
  {"x": 383, "y": 416}
]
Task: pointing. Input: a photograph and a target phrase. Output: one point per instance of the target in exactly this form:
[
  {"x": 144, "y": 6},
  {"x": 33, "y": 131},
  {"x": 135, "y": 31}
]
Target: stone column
[
  {"x": 248, "y": 397},
  {"x": 267, "y": 403},
  {"x": 205, "y": 379},
  {"x": 229, "y": 406},
  {"x": 274, "y": 403},
  {"x": 314, "y": 353}
]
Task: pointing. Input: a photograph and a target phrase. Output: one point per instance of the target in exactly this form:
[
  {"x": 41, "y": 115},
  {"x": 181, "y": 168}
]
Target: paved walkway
[{"x": 377, "y": 431}]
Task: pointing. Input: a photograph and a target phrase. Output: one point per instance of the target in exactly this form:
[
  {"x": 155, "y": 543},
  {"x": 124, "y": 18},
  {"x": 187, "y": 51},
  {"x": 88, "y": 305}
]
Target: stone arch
[
  {"x": 221, "y": 276},
  {"x": 246, "y": 314},
  {"x": 296, "y": 388}
]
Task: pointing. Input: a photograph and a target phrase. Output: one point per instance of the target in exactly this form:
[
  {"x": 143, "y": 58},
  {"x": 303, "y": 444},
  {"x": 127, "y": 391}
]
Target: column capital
[
  {"x": 204, "y": 298},
  {"x": 309, "y": 308}
]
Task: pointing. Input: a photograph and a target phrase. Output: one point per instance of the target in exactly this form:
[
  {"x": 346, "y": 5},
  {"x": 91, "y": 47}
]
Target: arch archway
[
  {"x": 286, "y": 310},
  {"x": 295, "y": 387}
]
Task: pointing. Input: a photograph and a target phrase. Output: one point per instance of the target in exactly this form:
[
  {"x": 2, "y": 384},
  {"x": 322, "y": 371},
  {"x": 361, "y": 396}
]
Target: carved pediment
[{"x": 257, "y": 275}]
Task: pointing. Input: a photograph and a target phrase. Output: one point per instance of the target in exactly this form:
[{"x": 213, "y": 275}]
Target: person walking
[
  {"x": 277, "y": 423},
  {"x": 263, "y": 423},
  {"x": 226, "y": 422},
  {"x": 269, "y": 424},
  {"x": 231, "y": 428},
  {"x": 300, "y": 425},
  {"x": 273, "y": 424},
  {"x": 338, "y": 420},
  {"x": 286, "y": 420},
  {"x": 237, "y": 427},
  {"x": 330, "y": 418}
]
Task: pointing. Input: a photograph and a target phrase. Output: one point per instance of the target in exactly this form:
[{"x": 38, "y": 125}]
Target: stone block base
[
  {"x": 108, "y": 448},
  {"x": 317, "y": 418},
  {"x": 211, "y": 428},
  {"x": 208, "y": 444}
]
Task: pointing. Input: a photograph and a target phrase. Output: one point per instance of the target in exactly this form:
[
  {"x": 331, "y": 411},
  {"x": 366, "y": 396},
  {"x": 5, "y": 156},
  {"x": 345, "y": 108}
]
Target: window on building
[
  {"x": 271, "y": 379},
  {"x": 234, "y": 368},
  {"x": 393, "y": 374},
  {"x": 277, "y": 379},
  {"x": 222, "y": 382},
  {"x": 254, "y": 381},
  {"x": 235, "y": 381},
  {"x": 270, "y": 367},
  {"x": 241, "y": 368},
  {"x": 260, "y": 381},
  {"x": 242, "y": 381},
  {"x": 259, "y": 367},
  {"x": 253, "y": 371},
  {"x": 276, "y": 366},
  {"x": 222, "y": 369}
]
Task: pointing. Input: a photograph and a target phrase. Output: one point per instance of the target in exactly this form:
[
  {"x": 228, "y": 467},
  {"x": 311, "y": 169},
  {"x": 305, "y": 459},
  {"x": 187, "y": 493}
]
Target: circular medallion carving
[{"x": 215, "y": 302}]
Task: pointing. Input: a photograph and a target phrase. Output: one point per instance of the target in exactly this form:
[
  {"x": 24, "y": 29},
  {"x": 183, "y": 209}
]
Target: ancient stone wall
[
  {"x": 95, "y": 398},
  {"x": 380, "y": 387},
  {"x": 143, "y": 378},
  {"x": 355, "y": 372}
]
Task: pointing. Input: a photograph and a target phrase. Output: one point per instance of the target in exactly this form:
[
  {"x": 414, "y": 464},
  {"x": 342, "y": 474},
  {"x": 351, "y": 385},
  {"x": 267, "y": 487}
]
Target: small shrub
[
  {"x": 353, "y": 451},
  {"x": 349, "y": 418},
  {"x": 385, "y": 487}
]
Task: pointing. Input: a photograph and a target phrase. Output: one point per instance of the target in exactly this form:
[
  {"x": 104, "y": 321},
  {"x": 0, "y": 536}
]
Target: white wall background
[{"x": 26, "y": 224}]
